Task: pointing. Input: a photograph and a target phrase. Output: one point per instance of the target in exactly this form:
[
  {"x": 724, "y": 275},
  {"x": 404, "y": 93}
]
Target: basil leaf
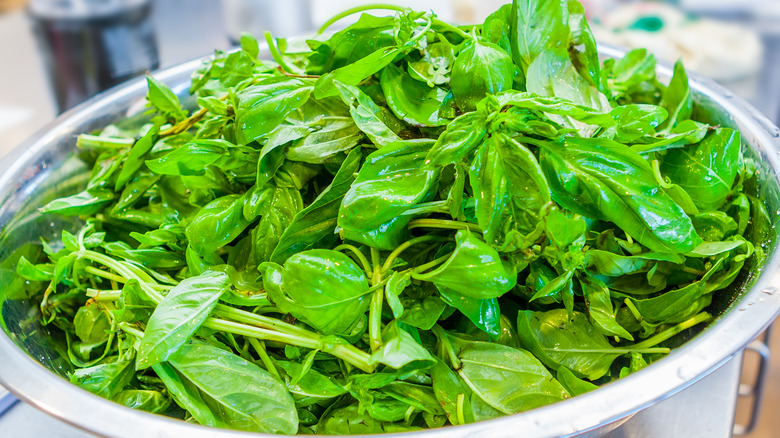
[
  {"x": 262, "y": 107},
  {"x": 480, "y": 69},
  {"x": 324, "y": 288},
  {"x": 180, "y": 313},
  {"x": 604, "y": 180},
  {"x": 706, "y": 170},
  {"x": 510, "y": 380},
  {"x": 220, "y": 389},
  {"x": 491, "y": 278}
]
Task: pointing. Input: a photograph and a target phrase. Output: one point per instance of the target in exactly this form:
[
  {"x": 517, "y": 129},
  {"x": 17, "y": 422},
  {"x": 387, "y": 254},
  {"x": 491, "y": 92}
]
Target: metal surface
[
  {"x": 691, "y": 413},
  {"x": 755, "y": 390},
  {"x": 6, "y": 400},
  {"x": 41, "y": 170}
]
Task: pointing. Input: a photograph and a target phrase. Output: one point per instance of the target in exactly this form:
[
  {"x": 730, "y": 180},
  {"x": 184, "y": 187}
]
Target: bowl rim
[{"x": 723, "y": 339}]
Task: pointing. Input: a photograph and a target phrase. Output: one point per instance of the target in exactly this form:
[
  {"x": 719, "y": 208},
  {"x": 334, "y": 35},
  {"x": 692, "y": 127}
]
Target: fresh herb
[{"x": 409, "y": 225}]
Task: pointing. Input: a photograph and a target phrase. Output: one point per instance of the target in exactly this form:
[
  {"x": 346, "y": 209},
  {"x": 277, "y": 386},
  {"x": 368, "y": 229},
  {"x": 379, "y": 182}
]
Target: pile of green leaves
[{"x": 404, "y": 224}]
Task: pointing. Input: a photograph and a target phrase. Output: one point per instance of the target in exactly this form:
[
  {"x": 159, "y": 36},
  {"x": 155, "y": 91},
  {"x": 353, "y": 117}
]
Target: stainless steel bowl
[{"x": 44, "y": 167}]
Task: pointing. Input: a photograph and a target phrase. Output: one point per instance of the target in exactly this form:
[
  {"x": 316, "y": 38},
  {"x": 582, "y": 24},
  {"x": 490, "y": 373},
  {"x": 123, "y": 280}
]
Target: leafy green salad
[{"x": 404, "y": 224}]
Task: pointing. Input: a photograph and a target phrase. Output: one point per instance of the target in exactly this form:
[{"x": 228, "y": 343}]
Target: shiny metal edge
[{"x": 717, "y": 344}]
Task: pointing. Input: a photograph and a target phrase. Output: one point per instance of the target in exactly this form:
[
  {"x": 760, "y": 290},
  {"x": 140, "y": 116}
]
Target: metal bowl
[{"x": 45, "y": 167}]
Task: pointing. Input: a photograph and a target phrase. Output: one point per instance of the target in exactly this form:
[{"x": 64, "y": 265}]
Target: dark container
[{"x": 91, "y": 45}]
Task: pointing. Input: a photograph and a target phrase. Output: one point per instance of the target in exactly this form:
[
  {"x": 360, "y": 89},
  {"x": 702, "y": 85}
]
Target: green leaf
[
  {"x": 313, "y": 386},
  {"x": 400, "y": 350},
  {"x": 313, "y": 225},
  {"x": 510, "y": 380},
  {"x": 92, "y": 324},
  {"x": 412, "y": 101},
  {"x": 600, "y": 310},
  {"x": 677, "y": 98},
  {"x": 461, "y": 137},
  {"x": 422, "y": 313},
  {"x": 220, "y": 389},
  {"x": 553, "y": 74},
  {"x": 474, "y": 270},
  {"x": 452, "y": 393},
  {"x": 366, "y": 114},
  {"x": 573, "y": 384},
  {"x": 189, "y": 159},
  {"x": 350, "y": 420},
  {"x": 485, "y": 314},
  {"x": 106, "y": 379},
  {"x": 435, "y": 66},
  {"x": 150, "y": 401},
  {"x": 510, "y": 191},
  {"x": 31, "y": 272},
  {"x": 390, "y": 182},
  {"x": 278, "y": 211},
  {"x": 262, "y": 107},
  {"x": 537, "y": 26},
  {"x": 332, "y": 135},
  {"x": 323, "y": 288},
  {"x": 84, "y": 203},
  {"x": 556, "y": 106},
  {"x": 635, "y": 67},
  {"x": 163, "y": 100},
  {"x": 706, "y": 170},
  {"x": 582, "y": 45},
  {"x": 355, "y": 73},
  {"x": 350, "y": 44},
  {"x": 180, "y": 313},
  {"x": 149, "y": 257},
  {"x": 217, "y": 224},
  {"x": 396, "y": 284},
  {"x": 481, "y": 69},
  {"x": 604, "y": 180},
  {"x": 135, "y": 160},
  {"x": 560, "y": 340}
]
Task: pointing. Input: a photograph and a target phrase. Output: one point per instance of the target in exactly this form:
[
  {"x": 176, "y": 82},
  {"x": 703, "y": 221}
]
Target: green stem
[
  {"x": 104, "y": 295},
  {"x": 692, "y": 271},
  {"x": 127, "y": 328},
  {"x": 427, "y": 208},
  {"x": 444, "y": 224},
  {"x": 424, "y": 277},
  {"x": 346, "y": 352},
  {"x": 658, "y": 177},
  {"x": 360, "y": 256},
  {"x": 94, "y": 141},
  {"x": 259, "y": 347},
  {"x": 355, "y": 10},
  {"x": 262, "y": 321},
  {"x": 375, "y": 308},
  {"x": 445, "y": 342},
  {"x": 609, "y": 350},
  {"x": 275, "y": 52},
  {"x": 126, "y": 271},
  {"x": 668, "y": 333},
  {"x": 107, "y": 275},
  {"x": 632, "y": 308},
  {"x": 402, "y": 247}
]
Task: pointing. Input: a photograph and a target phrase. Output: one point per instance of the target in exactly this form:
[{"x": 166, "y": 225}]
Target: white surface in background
[{"x": 11, "y": 116}]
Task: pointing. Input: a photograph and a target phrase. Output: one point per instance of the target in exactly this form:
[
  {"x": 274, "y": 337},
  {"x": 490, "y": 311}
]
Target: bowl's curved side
[{"x": 36, "y": 165}]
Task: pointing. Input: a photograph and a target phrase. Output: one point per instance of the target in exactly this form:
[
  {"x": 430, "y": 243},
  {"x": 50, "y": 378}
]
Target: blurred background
[{"x": 57, "y": 53}]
